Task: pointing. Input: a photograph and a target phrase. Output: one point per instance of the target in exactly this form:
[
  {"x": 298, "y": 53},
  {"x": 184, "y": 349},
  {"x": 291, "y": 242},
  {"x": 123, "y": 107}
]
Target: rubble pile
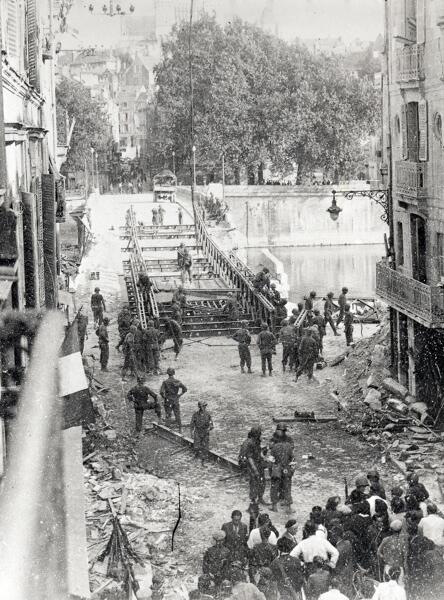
[{"x": 376, "y": 407}]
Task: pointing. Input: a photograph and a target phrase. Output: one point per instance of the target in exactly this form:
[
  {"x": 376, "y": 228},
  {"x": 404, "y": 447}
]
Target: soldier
[
  {"x": 274, "y": 295},
  {"x": 200, "y": 427},
  {"x": 308, "y": 354},
  {"x": 128, "y": 353},
  {"x": 82, "y": 328},
  {"x": 155, "y": 219},
  {"x": 309, "y": 301},
  {"x": 267, "y": 346},
  {"x": 262, "y": 279},
  {"x": 161, "y": 214},
  {"x": 102, "y": 334},
  {"x": 97, "y": 306},
  {"x": 151, "y": 349},
  {"x": 243, "y": 338},
  {"x": 124, "y": 320},
  {"x": 329, "y": 309},
  {"x": 281, "y": 312},
  {"x": 215, "y": 559},
  {"x": 287, "y": 336},
  {"x": 231, "y": 307},
  {"x": 342, "y": 301},
  {"x": 139, "y": 355},
  {"x": 186, "y": 265},
  {"x": 138, "y": 395},
  {"x": 319, "y": 322},
  {"x": 181, "y": 256},
  {"x": 176, "y": 312},
  {"x": 180, "y": 215},
  {"x": 281, "y": 470},
  {"x": 348, "y": 324},
  {"x": 254, "y": 461},
  {"x": 170, "y": 393},
  {"x": 180, "y": 297},
  {"x": 174, "y": 330},
  {"x": 144, "y": 284}
]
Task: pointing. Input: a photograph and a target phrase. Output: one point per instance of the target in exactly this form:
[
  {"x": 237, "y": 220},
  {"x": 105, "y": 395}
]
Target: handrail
[
  {"x": 139, "y": 264},
  {"x": 236, "y": 274},
  {"x": 33, "y": 544}
]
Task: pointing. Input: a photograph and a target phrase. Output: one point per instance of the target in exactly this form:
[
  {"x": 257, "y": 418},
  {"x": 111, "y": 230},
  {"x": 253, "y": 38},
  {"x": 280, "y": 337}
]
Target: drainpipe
[{"x": 3, "y": 172}]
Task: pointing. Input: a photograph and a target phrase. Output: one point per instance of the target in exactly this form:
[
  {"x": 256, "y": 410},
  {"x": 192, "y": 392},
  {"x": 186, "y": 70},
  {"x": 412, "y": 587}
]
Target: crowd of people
[
  {"x": 368, "y": 545},
  {"x": 214, "y": 209}
]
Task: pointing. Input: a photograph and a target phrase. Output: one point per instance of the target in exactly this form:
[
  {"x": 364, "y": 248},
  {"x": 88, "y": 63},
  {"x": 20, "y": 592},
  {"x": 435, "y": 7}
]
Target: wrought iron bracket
[{"x": 380, "y": 197}]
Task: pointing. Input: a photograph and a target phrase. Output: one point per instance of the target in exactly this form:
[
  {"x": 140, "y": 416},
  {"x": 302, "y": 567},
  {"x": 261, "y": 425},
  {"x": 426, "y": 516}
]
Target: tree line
[{"x": 258, "y": 100}]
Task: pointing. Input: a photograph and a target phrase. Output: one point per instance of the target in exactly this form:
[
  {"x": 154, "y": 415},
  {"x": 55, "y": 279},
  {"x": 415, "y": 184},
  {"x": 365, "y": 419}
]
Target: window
[
  {"x": 123, "y": 142},
  {"x": 132, "y": 141},
  {"x": 399, "y": 244}
]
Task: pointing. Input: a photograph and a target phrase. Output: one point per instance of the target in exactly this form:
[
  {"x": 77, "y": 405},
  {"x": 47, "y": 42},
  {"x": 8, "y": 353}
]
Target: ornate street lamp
[
  {"x": 111, "y": 10},
  {"x": 381, "y": 197},
  {"x": 334, "y": 210}
]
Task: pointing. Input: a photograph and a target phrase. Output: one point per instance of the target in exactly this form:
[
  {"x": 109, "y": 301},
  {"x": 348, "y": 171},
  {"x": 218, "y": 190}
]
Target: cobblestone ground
[{"x": 210, "y": 370}]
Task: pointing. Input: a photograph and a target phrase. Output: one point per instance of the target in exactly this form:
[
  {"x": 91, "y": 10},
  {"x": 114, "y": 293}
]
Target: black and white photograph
[{"x": 222, "y": 300}]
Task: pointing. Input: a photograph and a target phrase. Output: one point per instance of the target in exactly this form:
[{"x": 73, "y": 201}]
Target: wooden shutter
[
  {"x": 32, "y": 36},
  {"x": 12, "y": 30},
  {"x": 423, "y": 130},
  {"x": 404, "y": 146},
  {"x": 49, "y": 239},
  {"x": 30, "y": 250}
]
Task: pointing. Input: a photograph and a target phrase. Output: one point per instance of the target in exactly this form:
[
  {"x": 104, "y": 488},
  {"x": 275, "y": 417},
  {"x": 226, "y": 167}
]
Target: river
[{"x": 325, "y": 268}]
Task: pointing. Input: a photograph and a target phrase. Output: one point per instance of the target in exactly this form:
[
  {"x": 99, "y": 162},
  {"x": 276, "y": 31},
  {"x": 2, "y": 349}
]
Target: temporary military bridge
[{"x": 152, "y": 250}]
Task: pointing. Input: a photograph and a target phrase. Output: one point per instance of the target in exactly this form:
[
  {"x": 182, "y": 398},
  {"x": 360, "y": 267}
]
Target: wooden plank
[{"x": 304, "y": 419}]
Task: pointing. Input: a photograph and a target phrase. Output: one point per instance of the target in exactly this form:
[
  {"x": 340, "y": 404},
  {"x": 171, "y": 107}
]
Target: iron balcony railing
[
  {"x": 410, "y": 179},
  {"x": 235, "y": 273},
  {"x": 421, "y": 302},
  {"x": 33, "y": 536},
  {"x": 410, "y": 63}
]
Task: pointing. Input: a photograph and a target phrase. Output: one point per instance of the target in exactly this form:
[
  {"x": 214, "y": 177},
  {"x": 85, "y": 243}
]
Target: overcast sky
[{"x": 350, "y": 19}]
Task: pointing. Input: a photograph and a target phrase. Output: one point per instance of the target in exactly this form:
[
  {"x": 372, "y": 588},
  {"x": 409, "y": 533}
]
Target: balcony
[
  {"x": 419, "y": 301},
  {"x": 410, "y": 180},
  {"x": 410, "y": 64}
]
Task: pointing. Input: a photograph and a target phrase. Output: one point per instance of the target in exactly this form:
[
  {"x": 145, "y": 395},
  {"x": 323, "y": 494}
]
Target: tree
[
  {"x": 258, "y": 100},
  {"x": 91, "y": 129}
]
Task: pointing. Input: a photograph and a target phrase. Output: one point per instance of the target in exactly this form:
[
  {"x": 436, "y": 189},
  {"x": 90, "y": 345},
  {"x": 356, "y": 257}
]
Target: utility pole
[{"x": 190, "y": 65}]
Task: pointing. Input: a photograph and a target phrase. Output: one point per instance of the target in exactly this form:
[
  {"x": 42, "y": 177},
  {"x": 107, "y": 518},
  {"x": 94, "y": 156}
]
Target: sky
[{"x": 306, "y": 19}]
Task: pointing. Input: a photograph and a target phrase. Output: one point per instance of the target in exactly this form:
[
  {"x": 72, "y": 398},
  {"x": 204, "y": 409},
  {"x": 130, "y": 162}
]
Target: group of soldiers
[{"x": 301, "y": 335}]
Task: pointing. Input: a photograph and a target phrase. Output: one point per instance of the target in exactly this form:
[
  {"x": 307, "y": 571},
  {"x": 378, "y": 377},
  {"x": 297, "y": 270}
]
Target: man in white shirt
[
  {"x": 432, "y": 526},
  {"x": 391, "y": 590},
  {"x": 333, "y": 593},
  {"x": 315, "y": 545},
  {"x": 255, "y": 537}
]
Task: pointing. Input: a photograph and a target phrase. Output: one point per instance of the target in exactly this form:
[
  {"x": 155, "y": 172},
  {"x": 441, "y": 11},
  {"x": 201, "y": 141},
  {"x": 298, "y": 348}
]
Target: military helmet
[
  {"x": 281, "y": 427},
  {"x": 170, "y": 371},
  {"x": 97, "y": 290}
]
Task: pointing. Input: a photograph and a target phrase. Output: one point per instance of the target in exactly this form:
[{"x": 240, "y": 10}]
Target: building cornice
[{"x": 18, "y": 85}]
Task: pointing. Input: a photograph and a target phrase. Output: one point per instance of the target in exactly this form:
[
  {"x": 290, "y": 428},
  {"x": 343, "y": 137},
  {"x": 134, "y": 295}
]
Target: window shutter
[
  {"x": 33, "y": 43},
  {"x": 49, "y": 239},
  {"x": 422, "y": 124},
  {"x": 30, "y": 249},
  {"x": 404, "y": 131},
  {"x": 12, "y": 28}
]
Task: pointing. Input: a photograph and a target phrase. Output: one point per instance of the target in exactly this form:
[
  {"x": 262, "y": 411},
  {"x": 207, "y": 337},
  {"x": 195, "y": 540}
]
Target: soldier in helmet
[
  {"x": 287, "y": 335},
  {"x": 151, "y": 349},
  {"x": 138, "y": 395},
  {"x": 171, "y": 391},
  {"x": 200, "y": 427},
  {"x": 97, "y": 306},
  {"x": 231, "y": 308},
  {"x": 267, "y": 346},
  {"x": 255, "y": 464},
  {"x": 243, "y": 338},
  {"x": 281, "y": 454},
  {"x": 102, "y": 334},
  {"x": 342, "y": 301},
  {"x": 348, "y": 325},
  {"x": 329, "y": 309},
  {"x": 215, "y": 559}
]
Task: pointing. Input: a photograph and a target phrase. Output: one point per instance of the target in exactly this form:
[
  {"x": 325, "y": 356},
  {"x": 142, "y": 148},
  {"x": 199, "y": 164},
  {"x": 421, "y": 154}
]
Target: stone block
[
  {"x": 373, "y": 399},
  {"x": 395, "y": 388},
  {"x": 378, "y": 356},
  {"x": 398, "y": 405},
  {"x": 373, "y": 381},
  {"x": 418, "y": 407},
  {"x": 409, "y": 399}
]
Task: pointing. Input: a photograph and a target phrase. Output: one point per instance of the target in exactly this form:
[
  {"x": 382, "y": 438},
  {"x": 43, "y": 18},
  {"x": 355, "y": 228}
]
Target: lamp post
[
  {"x": 92, "y": 168},
  {"x": 194, "y": 167},
  {"x": 381, "y": 197},
  {"x": 223, "y": 176},
  {"x": 174, "y": 162}
]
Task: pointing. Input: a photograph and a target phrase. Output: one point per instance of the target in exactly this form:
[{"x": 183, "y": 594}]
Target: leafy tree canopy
[
  {"x": 257, "y": 99},
  {"x": 91, "y": 129}
]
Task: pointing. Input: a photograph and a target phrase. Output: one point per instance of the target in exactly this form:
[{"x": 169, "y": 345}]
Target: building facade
[{"x": 411, "y": 281}]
